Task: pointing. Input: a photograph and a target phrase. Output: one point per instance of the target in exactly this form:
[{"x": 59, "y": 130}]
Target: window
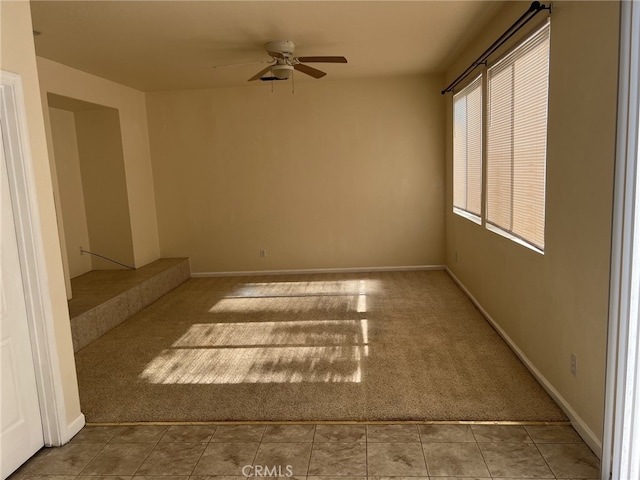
[
  {"x": 517, "y": 91},
  {"x": 512, "y": 183},
  {"x": 467, "y": 150}
]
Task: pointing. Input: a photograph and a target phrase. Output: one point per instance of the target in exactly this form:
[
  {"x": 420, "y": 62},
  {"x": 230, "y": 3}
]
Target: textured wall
[
  {"x": 339, "y": 174},
  {"x": 72, "y": 206},
  {"x": 556, "y": 304},
  {"x": 68, "y": 82}
]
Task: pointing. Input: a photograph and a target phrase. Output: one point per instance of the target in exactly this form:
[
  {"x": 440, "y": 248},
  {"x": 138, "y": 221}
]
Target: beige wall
[
  {"x": 62, "y": 80},
  {"x": 17, "y": 55},
  {"x": 74, "y": 215},
  {"x": 105, "y": 187},
  {"x": 339, "y": 174},
  {"x": 555, "y": 305}
]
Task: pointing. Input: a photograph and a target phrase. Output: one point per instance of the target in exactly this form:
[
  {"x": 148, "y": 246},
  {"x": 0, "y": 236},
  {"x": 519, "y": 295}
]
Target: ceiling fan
[{"x": 284, "y": 62}]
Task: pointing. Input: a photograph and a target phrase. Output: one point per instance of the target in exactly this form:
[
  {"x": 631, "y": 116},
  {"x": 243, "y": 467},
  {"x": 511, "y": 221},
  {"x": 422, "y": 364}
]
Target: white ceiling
[{"x": 172, "y": 45}]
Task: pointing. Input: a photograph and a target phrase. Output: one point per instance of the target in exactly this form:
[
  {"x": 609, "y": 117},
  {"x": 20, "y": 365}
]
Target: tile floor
[{"x": 316, "y": 452}]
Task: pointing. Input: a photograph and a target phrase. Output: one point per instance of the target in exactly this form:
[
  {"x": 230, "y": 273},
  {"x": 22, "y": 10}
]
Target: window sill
[
  {"x": 499, "y": 231},
  {"x": 467, "y": 215}
]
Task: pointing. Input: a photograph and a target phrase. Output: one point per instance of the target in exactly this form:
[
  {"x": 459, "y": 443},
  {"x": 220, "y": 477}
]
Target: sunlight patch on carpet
[
  {"x": 296, "y": 333},
  {"x": 273, "y": 289},
  {"x": 264, "y": 352},
  {"x": 346, "y": 295}
]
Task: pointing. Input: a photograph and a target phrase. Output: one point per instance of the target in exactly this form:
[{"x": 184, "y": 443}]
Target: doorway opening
[{"x": 89, "y": 186}]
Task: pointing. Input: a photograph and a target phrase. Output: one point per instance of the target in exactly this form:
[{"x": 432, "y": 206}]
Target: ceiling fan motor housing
[{"x": 282, "y": 46}]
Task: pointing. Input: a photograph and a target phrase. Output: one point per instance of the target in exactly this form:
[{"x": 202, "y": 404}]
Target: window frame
[
  {"x": 484, "y": 75},
  {"x": 466, "y": 213}
]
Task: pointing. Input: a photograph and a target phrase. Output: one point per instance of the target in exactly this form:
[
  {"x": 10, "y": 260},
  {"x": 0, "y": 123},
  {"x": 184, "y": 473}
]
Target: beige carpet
[{"x": 376, "y": 346}]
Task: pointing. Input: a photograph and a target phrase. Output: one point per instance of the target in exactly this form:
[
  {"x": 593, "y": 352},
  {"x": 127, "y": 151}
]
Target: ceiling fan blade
[
  {"x": 314, "y": 72},
  {"x": 260, "y": 74},
  {"x": 322, "y": 59},
  {"x": 276, "y": 54}
]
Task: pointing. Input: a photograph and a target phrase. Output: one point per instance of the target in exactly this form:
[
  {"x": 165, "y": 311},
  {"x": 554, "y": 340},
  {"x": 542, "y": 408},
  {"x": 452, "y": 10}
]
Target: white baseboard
[
  {"x": 318, "y": 270},
  {"x": 66, "y": 434},
  {"x": 74, "y": 427},
  {"x": 577, "y": 422}
]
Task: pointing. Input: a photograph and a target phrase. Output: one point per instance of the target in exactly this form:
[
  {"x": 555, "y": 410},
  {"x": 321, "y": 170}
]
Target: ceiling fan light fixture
[{"x": 281, "y": 72}]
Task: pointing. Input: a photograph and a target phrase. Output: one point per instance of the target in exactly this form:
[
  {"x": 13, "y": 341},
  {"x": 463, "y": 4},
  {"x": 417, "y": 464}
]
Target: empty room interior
[{"x": 233, "y": 237}]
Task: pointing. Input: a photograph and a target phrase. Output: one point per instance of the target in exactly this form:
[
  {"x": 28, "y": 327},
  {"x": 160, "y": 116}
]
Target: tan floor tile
[
  {"x": 46, "y": 477},
  {"x": 336, "y": 453},
  {"x": 289, "y": 433},
  {"x": 553, "y": 434},
  {"x": 283, "y": 455},
  {"x": 514, "y": 460},
  {"x": 403, "y": 478},
  {"x": 97, "y": 434},
  {"x": 315, "y": 477},
  {"x": 242, "y": 477},
  {"x": 153, "y": 477},
  {"x": 188, "y": 433},
  {"x": 340, "y": 433},
  {"x": 27, "y": 467},
  {"x": 571, "y": 460},
  {"x": 454, "y": 459},
  {"x": 67, "y": 460},
  {"x": 281, "y": 476},
  {"x": 104, "y": 477},
  {"x": 384, "y": 459},
  {"x": 218, "y": 477},
  {"x": 238, "y": 433},
  {"x": 500, "y": 433},
  {"x": 468, "y": 478},
  {"x": 446, "y": 433},
  {"x": 520, "y": 478},
  {"x": 139, "y": 434},
  {"x": 172, "y": 459},
  {"x": 392, "y": 433},
  {"x": 118, "y": 459},
  {"x": 338, "y": 459},
  {"x": 226, "y": 458}
]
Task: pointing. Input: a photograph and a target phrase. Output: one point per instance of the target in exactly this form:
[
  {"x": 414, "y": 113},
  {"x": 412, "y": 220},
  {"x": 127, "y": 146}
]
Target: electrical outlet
[
  {"x": 263, "y": 253},
  {"x": 81, "y": 250},
  {"x": 574, "y": 365}
]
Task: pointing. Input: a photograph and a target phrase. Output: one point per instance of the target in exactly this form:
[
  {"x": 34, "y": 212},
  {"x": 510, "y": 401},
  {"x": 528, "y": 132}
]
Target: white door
[{"x": 21, "y": 426}]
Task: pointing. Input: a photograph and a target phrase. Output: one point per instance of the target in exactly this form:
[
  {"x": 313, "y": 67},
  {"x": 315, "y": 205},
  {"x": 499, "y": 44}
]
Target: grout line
[
  {"x": 424, "y": 455},
  {"x": 486, "y": 465},
  {"x": 263, "y": 433},
  {"x": 366, "y": 451},
  {"x": 313, "y": 442},
  {"x": 203, "y": 450},
  {"x": 95, "y": 456},
  {"x": 255, "y": 455},
  {"x": 544, "y": 459},
  {"x": 150, "y": 451}
]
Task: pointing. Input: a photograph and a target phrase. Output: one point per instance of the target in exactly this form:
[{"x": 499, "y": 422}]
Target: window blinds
[
  {"x": 467, "y": 148},
  {"x": 517, "y": 91}
]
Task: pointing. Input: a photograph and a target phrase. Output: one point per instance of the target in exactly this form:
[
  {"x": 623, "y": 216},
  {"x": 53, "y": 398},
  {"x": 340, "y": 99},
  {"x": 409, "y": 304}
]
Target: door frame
[
  {"x": 621, "y": 438},
  {"x": 32, "y": 262}
]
